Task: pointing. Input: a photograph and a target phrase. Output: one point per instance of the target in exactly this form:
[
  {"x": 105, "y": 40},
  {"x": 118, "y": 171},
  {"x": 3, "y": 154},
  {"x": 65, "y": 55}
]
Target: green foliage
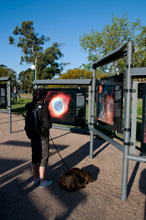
[
  {"x": 7, "y": 72},
  {"x": 3, "y": 71},
  {"x": 139, "y": 108},
  {"x": 28, "y": 41},
  {"x": 26, "y": 78},
  {"x": 80, "y": 74},
  {"x": 98, "y": 44},
  {"x": 47, "y": 65},
  {"x": 76, "y": 74},
  {"x": 19, "y": 106},
  {"x": 140, "y": 49},
  {"x": 46, "y": 62}
]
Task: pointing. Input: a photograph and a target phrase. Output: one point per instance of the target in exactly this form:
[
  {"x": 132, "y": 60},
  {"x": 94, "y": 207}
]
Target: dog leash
[{"x": 59, "y": 153}]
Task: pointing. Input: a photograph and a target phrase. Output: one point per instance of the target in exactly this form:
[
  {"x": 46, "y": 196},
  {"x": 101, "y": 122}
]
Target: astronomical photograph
[
  {"x": 143, "y": 125},
  {"x": 109, "y": 102},
  {"x": 61, "y": 105},
  {"x": 106, "y": 104}
]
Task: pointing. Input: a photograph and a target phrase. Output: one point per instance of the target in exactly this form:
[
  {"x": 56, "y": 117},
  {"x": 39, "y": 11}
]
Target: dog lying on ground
[{"x": 75, "y": 179}]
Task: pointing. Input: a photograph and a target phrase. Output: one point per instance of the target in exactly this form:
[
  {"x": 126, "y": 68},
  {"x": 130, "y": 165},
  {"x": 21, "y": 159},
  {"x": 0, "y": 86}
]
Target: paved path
[{"x": 19, "y": 199}]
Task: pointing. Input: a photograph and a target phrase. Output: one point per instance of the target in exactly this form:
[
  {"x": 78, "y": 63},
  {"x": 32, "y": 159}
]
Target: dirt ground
[{"x": 20, "y": 199}]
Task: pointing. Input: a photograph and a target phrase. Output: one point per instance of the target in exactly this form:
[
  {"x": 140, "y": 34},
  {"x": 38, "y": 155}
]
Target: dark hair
[{"x": 38, "y": 95}]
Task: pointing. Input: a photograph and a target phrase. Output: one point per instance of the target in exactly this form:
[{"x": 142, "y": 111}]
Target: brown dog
[{"x": 75, "y": 179}]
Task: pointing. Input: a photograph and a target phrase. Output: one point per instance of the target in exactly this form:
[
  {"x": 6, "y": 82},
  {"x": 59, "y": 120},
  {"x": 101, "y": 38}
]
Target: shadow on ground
[{"x": 14, "y": 199}]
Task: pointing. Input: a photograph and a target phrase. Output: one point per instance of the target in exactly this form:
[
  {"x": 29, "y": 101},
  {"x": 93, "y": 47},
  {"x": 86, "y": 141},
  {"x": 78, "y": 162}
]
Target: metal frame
[
  {"x": 125, "y": 50},
  {"x": 134, "y": 117},
  {"x": 8, "y": 80},
  {"x": 62, "y": 82},
  {"x": 86, "y": 82},
  {"x": 143, "y": 143}
]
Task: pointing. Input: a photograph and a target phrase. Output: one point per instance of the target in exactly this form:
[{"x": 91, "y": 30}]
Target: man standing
[
  {"x": 15, "y": 94},
  {"x": 40, "y": 142}
]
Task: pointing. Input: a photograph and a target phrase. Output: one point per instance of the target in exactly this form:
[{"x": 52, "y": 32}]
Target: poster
[
  {"x": 61, "y": 105},
  {"x": 109, "y": 103},
  {"x": 3, "y": 96},
  {"x": 67, "y": 106},
  {"x": 143, "y": 127},
  {"x": 106, "y": 104}
]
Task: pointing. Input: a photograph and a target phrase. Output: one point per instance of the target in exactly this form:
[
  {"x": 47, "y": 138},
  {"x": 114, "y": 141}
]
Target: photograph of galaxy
[
  {"x": 61, "y": 105},
  {"x": 143, "y": 125},
  {"x": 109, "y": 102},
  {"x": 106, "y": 104}
]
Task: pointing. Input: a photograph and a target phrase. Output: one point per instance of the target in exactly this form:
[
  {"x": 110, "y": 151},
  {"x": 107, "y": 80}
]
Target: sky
[{"x": 64, "y": 21}]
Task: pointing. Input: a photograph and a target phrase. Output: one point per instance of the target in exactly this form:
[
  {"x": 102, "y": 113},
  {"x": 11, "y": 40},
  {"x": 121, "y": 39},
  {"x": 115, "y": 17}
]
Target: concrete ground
[{"x": 19, "y": 199}]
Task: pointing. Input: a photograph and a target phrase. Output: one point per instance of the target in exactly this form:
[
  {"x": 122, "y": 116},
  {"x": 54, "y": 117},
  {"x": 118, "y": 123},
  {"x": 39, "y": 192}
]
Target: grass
[
  {"x": 139, "y": 108},
  {"x": 19, "y": 106}
]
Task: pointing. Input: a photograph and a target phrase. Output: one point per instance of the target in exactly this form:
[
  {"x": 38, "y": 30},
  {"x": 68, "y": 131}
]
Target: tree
[
  {"x": 26, "y": 78},
  {"x": 76, "y": 74},
  {"x": 98, "y": 44},
  {"x": 32, "y": 47},
  {"x": 140, "y": 49},
  {"x": 47, "y": 65},
  {"x": 28, "y": 40},
  {"x": 3, "y": 71},
  {"x": 7, "y": 72}
]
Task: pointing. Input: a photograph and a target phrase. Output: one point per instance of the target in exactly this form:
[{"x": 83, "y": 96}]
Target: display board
[
  {"x": 143, "y": 129},
  {"x": 3, "y": 96},
  {"x": 109, "y": 102},
  {"x": 67, "y": 106}
]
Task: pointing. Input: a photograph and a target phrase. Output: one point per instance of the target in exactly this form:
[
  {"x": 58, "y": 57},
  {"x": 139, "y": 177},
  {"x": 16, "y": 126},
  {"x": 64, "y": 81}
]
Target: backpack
[{"x": 31, "y": 126}]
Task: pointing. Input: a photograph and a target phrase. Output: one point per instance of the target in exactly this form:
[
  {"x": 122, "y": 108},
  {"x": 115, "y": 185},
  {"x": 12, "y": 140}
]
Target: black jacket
[{"x": 43, "y": 116}]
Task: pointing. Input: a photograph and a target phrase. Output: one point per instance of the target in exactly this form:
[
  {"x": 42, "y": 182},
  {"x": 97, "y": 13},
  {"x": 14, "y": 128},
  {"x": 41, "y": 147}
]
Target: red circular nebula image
[{"x": 58, "y": 104}]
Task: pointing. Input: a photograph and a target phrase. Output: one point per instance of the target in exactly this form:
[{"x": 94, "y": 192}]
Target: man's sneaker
[
  {"x": 46, "y": 183},
  {"x": 36, "y": 181}
]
